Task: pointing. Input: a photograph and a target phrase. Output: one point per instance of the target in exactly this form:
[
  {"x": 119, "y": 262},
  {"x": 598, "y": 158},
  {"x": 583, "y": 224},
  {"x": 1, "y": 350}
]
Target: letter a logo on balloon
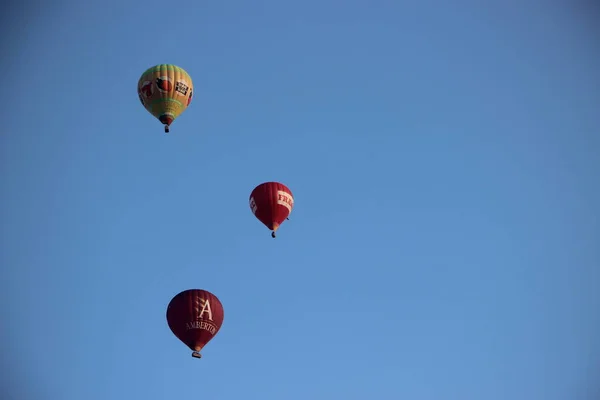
[{"x": 203, "y": 306}]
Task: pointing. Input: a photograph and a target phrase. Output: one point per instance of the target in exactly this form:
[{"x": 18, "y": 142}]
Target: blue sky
[{"x": 444, "y": 162}]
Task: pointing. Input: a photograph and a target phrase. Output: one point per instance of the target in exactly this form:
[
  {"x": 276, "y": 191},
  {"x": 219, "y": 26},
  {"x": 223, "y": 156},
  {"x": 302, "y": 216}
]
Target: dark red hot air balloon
[
  {"x": 271, "y": 203},
  {"x": 195, "y": 316}
]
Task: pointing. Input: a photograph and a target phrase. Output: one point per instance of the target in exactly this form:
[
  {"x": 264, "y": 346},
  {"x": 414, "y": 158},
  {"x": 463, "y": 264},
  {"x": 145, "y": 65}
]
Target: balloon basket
[
  {"x": 196, "y": 355},
  {"x": 166, "y": 128}
]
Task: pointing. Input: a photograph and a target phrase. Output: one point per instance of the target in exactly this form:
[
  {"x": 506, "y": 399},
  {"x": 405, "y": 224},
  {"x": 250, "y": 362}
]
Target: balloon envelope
[
  {"x": 271, "y": 203},
  {"x": 195, "y": 316},
  {"x": 166, "y": 91}
]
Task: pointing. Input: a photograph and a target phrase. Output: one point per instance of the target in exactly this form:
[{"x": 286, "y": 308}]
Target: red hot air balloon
[
  {"x": 271, "y": 203},
  {"x": 195, "y": 316}
]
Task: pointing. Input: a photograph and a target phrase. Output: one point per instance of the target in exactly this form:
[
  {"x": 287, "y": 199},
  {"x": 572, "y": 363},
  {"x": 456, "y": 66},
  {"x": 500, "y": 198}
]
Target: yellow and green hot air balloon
[{"x": 165, "y": 90}]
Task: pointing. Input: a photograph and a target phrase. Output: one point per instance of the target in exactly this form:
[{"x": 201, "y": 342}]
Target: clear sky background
[{"x": 444, "y": 158}]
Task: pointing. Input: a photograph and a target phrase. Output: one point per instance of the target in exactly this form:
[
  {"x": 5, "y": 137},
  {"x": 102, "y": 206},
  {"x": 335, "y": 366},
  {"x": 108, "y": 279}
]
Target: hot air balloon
[
  {"x": 271, "y": 203},
  {"x": 195, "y": 316},
  {"x": 165, "y": 90}
]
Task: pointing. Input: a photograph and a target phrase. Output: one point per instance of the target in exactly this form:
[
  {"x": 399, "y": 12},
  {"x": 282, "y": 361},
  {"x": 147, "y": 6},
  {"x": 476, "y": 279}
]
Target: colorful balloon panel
[
  {"x": 271, "y": 203},
  {"x": 195, "y": 316},
  {"x": 166, "y": 91}
]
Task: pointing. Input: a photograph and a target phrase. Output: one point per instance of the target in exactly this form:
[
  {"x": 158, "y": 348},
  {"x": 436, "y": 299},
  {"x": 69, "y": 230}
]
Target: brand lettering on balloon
[
  {"x": 202, "y": 308},
  {"x": 253, "y": 205},
  {"x": 201, "y": 325},
  {"x": 181, "y": 87},
  {"x": 285, "y": 199}
]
